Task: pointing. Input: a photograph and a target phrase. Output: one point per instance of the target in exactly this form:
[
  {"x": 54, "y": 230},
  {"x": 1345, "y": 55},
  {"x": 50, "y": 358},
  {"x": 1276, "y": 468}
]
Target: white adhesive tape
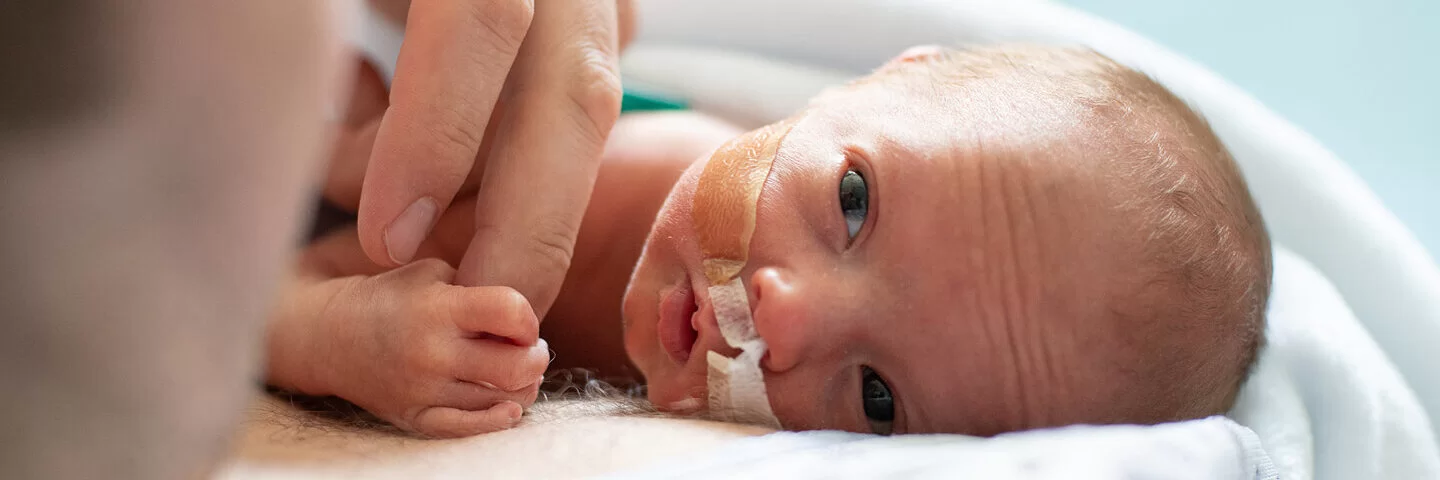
[{"x": 737, "y": 386}]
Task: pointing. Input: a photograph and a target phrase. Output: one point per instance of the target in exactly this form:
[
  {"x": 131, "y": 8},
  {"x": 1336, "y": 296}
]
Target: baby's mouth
[{"x": 676, "y": 330}]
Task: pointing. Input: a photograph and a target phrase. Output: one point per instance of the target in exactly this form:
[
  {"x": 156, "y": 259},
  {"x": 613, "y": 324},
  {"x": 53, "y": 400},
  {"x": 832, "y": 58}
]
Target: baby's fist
[{"x": 435, "y": 358}]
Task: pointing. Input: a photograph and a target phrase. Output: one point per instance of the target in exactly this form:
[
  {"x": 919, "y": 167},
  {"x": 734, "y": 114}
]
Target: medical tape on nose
[{"x": 726, "y": 198}]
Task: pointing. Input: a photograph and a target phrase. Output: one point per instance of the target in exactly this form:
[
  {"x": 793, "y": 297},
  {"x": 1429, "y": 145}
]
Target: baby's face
[{"x": 951, "y": 290}]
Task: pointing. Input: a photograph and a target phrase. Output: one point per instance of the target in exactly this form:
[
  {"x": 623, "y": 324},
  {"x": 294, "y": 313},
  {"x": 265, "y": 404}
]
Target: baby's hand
[{"x": 428, "y": 356}]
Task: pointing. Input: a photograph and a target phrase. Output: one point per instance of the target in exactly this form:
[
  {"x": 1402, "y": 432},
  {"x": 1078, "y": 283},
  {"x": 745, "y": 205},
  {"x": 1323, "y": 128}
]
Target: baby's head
[{"x": 978, "y": 241}]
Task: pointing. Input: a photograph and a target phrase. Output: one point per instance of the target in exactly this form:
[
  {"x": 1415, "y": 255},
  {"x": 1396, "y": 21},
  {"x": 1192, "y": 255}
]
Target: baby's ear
[{"x": 918, "y": 53}]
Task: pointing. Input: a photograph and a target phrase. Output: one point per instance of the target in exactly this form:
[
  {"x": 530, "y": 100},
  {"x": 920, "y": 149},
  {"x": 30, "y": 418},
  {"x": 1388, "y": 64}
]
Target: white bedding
[{"x": 1209, "y": 449}]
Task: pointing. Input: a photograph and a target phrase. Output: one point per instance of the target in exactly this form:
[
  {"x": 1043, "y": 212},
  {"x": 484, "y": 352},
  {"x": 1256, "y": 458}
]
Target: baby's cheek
[{"x": 673, "y": 223}]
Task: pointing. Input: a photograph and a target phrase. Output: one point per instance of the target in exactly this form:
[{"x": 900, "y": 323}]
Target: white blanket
[
  {"x": 1325, "y": 400},
  {"x": 1209, "y": 449}
]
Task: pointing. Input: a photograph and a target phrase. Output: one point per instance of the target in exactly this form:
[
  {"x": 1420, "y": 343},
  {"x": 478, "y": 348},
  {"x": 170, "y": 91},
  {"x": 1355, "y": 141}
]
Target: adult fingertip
[{"x": 403, "y": 236}]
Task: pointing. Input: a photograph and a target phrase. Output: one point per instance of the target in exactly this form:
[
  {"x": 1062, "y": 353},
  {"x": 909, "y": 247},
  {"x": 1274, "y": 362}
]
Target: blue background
[{"x": 1361, "y": 76}]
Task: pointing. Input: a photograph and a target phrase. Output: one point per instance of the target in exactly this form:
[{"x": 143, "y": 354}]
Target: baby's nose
[{"x": 782, "y": 318}]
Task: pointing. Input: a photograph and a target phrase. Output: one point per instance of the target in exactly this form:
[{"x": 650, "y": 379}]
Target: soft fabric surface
[
  {"x": 1210, "y": 449},
  {"x": 1325, "y": 400}
]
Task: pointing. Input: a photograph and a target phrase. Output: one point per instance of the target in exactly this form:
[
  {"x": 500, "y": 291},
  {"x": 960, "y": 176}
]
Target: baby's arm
[
  {"x": 324, "y": 269},
  {"x": 406, "y": 344}
]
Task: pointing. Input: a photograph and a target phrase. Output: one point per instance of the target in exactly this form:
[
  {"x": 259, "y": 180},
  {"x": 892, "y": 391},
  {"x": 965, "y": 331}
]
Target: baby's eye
[
  {"x": 854, "y": 201},
  {"x": 879, "y": 405}
]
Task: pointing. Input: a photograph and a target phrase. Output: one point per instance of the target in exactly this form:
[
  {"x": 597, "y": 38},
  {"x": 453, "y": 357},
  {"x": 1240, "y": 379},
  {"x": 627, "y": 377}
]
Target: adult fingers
[
  {"x": 395, "y": 10},
  {"x": 452, "y": 67},
  {"x": 447, "y": 422},
  {"x": 346, "y": 174},
  {"x": 452, "y": 234},
  {"x": 563, "y": 99}
]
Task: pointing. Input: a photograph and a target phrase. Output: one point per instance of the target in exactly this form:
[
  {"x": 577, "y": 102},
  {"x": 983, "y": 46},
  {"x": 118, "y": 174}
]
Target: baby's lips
[{"x": 707, "y": 330}]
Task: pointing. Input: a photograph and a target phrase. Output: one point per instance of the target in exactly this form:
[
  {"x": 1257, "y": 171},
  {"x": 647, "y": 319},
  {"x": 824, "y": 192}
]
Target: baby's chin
[{"x": 676, "y": 392}]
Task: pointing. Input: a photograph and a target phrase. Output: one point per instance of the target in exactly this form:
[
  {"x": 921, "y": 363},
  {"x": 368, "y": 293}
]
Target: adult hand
[{"x": 526, "y": 93}]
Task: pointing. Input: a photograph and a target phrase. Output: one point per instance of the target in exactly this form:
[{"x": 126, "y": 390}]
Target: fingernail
[
  {"x": 403, "y": 237},
  {"x": 515, "y": 412}
]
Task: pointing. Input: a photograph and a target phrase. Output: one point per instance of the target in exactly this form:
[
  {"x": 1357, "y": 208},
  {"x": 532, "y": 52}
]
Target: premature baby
[{"x": 969, "y": 241}]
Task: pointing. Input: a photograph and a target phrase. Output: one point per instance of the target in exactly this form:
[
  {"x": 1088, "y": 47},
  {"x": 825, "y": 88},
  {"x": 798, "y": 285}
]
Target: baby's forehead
[
  {"x": 928, "y": 120},
  {"x": 879, "y": 93},
  {"x": 970, "y": 99},
  {"x": 898, "y": 114}
]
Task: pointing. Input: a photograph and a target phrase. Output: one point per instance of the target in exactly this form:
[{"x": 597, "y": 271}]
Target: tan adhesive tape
[{"x": 726, "y": 198}]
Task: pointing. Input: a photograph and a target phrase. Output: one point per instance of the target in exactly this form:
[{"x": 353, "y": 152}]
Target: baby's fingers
[
  {"x": 446, "y": 422},
  {"x": 504, "y": 368},
  {"x": 491, "y": 311}
]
